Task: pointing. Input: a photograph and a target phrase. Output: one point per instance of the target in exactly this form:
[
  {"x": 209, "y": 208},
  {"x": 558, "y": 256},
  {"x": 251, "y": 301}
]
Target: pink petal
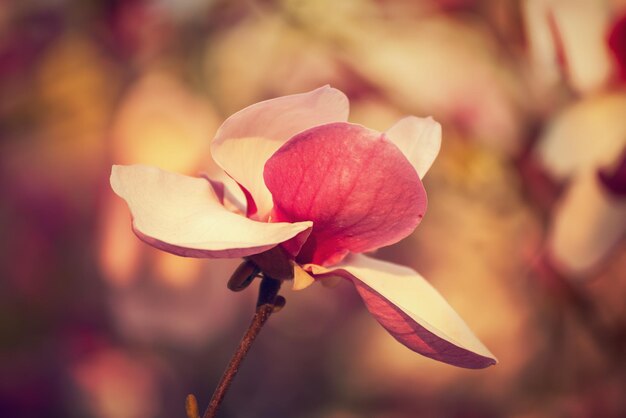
[
  {"x": 412, "y": 311},
  {"x": 617, "y": 44},
  {"x": 248, "y": 138},
  {"x": 419, "y": 139},
  {"x": 358, "y": 188},
  {"x": 182, "y": 215}
]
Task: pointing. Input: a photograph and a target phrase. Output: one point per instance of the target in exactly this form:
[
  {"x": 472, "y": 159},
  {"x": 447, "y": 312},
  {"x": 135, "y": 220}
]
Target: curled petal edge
[
  {"x": 248, "y": 138},
  {"x": 412, "y": 311},
  {"x": 183, "y": 215}
]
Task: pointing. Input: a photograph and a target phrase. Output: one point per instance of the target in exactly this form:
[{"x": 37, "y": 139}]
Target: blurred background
[{"x": 524, "y": 233}]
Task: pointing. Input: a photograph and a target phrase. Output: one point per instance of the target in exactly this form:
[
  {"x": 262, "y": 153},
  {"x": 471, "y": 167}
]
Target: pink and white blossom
[
  {"x": 319, "y": 192},
  {"x": 581, "y": 43}
]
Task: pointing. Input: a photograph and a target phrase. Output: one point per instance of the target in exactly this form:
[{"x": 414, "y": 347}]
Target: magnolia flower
[
  {"x": 319, "y": 192},
  {"x": 588, "y": 222}
]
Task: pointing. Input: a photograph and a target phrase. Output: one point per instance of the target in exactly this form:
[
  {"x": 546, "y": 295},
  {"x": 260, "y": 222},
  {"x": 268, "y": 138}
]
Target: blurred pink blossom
[
  {"x": 585, "y": 50},
  {"x": 589, "y": 221},
  {"x": 319, "y": 191},
  {"x": 581, "y": 44},
  {"x": 566, "y": 42}
]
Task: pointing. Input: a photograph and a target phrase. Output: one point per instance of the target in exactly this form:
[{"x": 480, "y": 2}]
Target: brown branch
[{"x": 267, "y": 303}]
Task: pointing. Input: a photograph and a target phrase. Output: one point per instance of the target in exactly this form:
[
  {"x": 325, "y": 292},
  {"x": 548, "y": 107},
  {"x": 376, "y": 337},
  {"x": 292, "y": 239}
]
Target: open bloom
[{"x": 319, "y": 191}]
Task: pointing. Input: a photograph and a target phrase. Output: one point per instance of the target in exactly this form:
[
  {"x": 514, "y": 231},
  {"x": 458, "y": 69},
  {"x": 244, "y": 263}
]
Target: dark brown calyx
[{"x": 274, "y": 263}]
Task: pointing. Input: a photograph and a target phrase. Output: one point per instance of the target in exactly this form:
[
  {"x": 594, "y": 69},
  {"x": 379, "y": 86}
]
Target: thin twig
[{"x": 268, "y": 290}]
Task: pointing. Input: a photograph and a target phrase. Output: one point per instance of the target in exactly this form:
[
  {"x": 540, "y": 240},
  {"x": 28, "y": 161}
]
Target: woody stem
[{"x": 268, "y": 290}]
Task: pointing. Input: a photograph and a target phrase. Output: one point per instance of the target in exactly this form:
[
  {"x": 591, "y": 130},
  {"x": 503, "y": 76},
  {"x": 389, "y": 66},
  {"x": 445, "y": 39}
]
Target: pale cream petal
[
  {"x": 587, "y": 225},
  {"x": 412, "y": 311},
  {"x": 182, "y": 215},
  {"x": 584, "y": 136},
  {"x": 419, "y": 139}
]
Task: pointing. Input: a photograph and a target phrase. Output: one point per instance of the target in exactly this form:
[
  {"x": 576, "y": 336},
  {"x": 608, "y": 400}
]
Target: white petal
[
  {"x": 587, "y": 225},
  {"x": 412, "y": 311},
  {"x": 182, "y": 215},
  {"x": 582, "y": 26},
  {"x": 540, "y": 37},
  {"x": 587, "y": 135},
  {"x": 248, "y": 138},
  {"x": 570, "y": 34},
  {"x": 419, "y": 139}
]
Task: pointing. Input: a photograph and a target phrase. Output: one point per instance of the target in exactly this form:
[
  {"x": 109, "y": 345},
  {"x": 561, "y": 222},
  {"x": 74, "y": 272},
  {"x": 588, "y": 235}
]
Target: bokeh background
[{"x": 524, "y": 233}]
